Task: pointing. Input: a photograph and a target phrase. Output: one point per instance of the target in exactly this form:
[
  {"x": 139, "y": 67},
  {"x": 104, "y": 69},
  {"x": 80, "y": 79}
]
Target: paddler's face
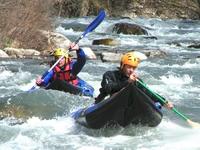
[
  {"x": 128, "y": 70},
  {"x": 61, "y": 62}
]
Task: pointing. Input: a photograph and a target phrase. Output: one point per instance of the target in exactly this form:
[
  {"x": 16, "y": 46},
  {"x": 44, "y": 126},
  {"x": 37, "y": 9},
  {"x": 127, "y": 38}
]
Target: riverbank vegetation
[{"x": 21, "y": 22}]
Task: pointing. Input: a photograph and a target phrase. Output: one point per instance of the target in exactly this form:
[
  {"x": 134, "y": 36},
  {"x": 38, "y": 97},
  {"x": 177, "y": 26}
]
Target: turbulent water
[{"x": 41, "y": 120}]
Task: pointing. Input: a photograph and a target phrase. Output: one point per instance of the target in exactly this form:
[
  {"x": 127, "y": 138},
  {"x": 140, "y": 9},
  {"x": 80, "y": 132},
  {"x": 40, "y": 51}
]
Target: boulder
[
  {"x": 3, "y": 54},
  {"x": 194, "y": 46},
  {"x": 56, "y": 40},
  {"x": 88, "y": 52},
  {"x": 155, "y": 53},
  {"x": 110, "y": 57},
  {"x": 115, "y": 57},
  {"x": 107, "y": 41},
  {"x": 20, "y": 53},
  {"x": 127, "y": 28}
]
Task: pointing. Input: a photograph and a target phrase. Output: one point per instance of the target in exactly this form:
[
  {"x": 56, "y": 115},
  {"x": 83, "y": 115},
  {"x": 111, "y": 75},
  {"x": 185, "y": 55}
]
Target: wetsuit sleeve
[
  {"x": 79, "y": 63},
  {"x": 47, "y": 78},
  {"x": 110, "y": 84}
]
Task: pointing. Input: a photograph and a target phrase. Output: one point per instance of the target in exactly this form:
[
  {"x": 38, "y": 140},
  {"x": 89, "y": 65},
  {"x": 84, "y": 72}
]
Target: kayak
[
  {"x": 131, "y": 105},
  {"x": 82, "y": 88}
]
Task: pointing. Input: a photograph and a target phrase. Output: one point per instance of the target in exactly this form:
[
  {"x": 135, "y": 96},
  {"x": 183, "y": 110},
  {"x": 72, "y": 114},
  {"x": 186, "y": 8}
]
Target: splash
[{"x": 176, "y": 80}]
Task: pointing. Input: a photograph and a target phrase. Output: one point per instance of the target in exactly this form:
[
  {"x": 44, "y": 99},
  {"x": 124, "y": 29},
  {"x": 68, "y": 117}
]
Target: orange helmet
[{"x": 129, "y": 59}]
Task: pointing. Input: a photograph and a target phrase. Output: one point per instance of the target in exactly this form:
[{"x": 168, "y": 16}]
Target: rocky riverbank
[
  {"x": 165, "y": 9},
  {"x": 39, "y": 46},
  {"x": 58, "y": 40},
  {"x": 94, "y": 51}
]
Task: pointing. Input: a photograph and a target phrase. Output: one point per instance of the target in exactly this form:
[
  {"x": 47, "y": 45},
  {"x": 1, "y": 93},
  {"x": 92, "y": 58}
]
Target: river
[{"x": 42, "y": 118}]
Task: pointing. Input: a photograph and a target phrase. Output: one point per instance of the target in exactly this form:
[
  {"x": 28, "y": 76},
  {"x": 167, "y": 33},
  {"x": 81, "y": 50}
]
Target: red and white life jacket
[{"x": 65, "y": 74}]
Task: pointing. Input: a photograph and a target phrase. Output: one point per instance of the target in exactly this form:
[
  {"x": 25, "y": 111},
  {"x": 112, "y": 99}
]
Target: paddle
[
  {"x": 191, "y": 123},
  {"x": 90, "y": 28}
]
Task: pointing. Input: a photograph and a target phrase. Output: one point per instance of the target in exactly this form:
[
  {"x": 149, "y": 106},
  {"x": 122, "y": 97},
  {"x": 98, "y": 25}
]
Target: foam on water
[
  {"x": 67, "y": 32},
  {"x": 14, "y": 79},
  {"x": 5, "y": 74},
  {"x": 180, "y": 137},
  {"x": 57, "y": 126},
  {"x": 35, "y": 131},
  {"x": 190, "y": 64},
  {"x": 177, "y": 80},
  {"x": 17, "y": 63},
  {"x": 41, "y": 134},
  {"x": 172, "y": 79},
  {"x": 130, "y": 41}
]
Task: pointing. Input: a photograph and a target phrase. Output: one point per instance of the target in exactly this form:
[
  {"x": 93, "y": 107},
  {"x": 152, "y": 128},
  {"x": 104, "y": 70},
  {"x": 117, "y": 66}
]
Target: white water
[{"x": 50, "y": 125}]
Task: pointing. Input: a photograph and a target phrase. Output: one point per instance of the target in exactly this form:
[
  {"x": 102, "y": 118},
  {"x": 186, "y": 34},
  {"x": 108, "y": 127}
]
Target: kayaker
[
  {"x": 64, "y": 75},
  {"x": 114, "y": 81}
]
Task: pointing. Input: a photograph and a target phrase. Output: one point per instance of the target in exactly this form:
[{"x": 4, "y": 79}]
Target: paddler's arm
[
  {"x": 45, "y": 80},
  {"x": 80, "y": 62},
  {"x": 110, "y": 85},
  {"x": 166, "y": 104}
]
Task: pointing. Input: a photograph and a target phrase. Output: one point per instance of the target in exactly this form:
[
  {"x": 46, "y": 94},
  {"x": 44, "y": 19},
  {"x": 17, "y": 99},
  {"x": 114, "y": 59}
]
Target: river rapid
[{"x": 41, "y": 119}]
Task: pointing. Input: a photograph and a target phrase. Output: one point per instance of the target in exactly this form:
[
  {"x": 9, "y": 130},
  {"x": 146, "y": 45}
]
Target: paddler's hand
[
  {"x": 169, "y": 105},
  {"x": 39, "y": 80},
  {"x": 132, "y": 77},
  {"x": 74, "y": 46}
]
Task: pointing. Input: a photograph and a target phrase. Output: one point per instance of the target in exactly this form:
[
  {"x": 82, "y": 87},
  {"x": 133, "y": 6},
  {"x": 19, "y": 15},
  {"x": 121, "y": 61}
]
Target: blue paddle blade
[{"x": 95, "y": 22}]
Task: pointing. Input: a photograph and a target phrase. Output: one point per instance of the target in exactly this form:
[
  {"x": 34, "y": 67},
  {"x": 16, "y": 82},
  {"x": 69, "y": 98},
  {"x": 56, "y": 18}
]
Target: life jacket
[{"x": 65, "y": 74}]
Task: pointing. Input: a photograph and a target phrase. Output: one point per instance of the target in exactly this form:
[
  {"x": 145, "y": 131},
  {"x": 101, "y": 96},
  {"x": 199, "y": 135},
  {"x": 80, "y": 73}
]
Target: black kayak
[{"x": 129, "y": 106}]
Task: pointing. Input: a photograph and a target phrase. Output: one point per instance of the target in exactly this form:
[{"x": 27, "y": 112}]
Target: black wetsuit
[{"x": 114, "y": 81}]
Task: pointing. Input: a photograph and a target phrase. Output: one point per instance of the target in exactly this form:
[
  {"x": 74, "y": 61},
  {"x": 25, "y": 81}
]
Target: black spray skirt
[
  {"x": 129, "y": 106},
  {"x": 62, "y": 85}
]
